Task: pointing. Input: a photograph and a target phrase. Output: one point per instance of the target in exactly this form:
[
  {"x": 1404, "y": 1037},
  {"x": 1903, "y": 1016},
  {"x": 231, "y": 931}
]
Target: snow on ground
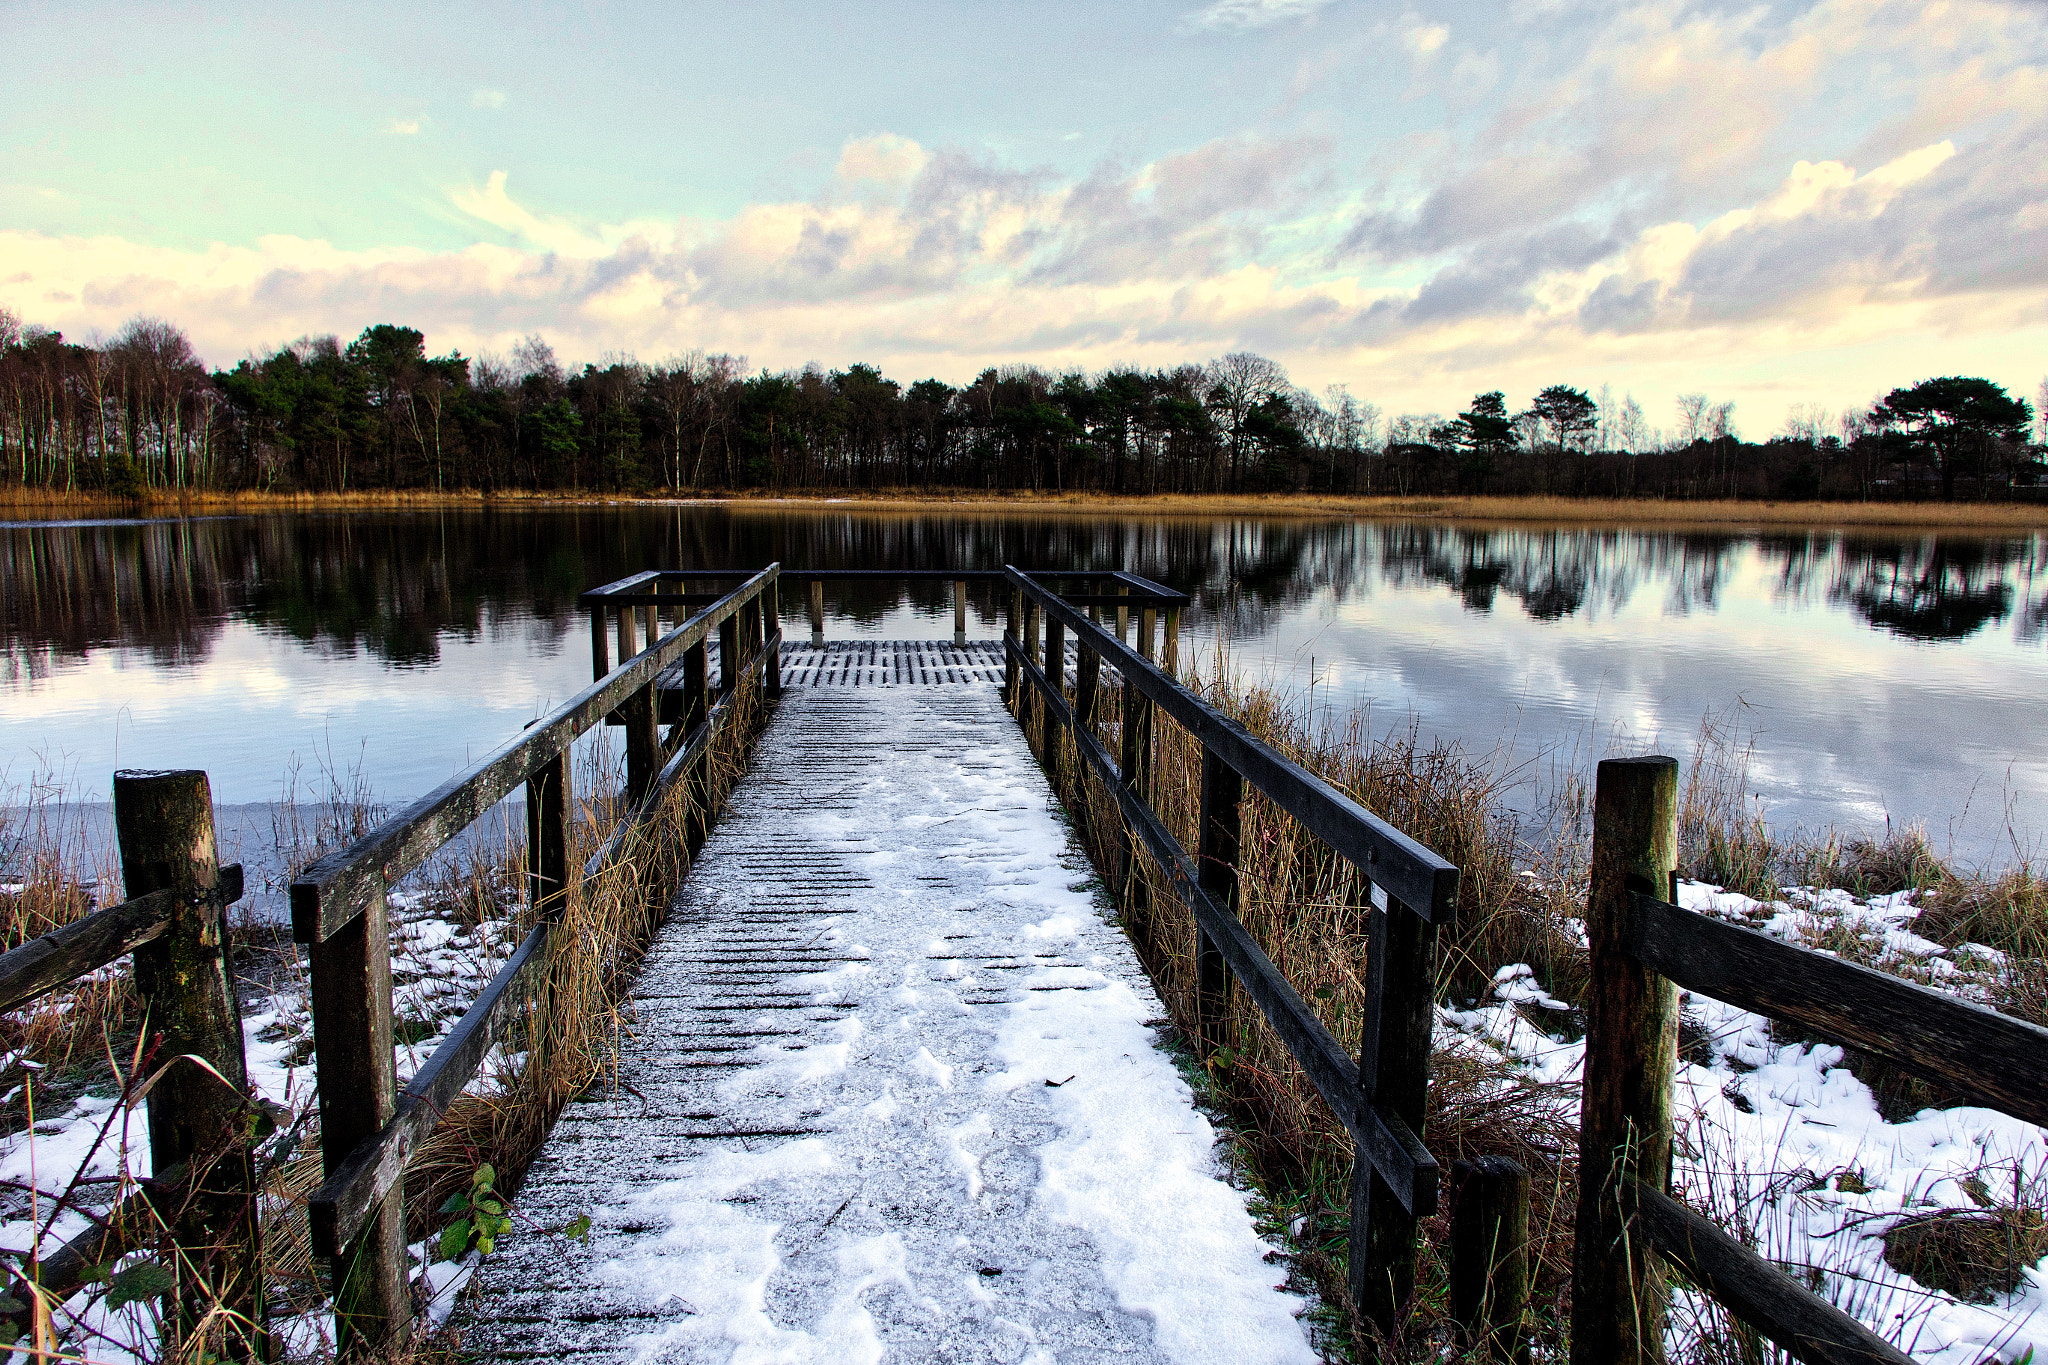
[
  {"x": 1785, "y": 1138},
  {"x": 892, "y": 1090}
]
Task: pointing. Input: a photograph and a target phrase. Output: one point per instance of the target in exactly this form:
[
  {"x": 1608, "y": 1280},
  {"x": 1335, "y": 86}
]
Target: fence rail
[{"x": 1379, "y": 1097}]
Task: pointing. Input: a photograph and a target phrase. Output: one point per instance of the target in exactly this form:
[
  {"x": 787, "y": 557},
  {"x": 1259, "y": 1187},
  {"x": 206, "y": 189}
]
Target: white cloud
[
  {"x": 1242, "y": 14},
  {"x": 405, "y": 127},
  {"x": 487, "y": 99},
  {"x": 1424, "y": 39}
]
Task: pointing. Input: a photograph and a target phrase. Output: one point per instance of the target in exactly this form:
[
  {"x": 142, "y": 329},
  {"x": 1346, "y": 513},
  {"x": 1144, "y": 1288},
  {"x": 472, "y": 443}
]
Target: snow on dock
[{"x": 890, "y": 1090}]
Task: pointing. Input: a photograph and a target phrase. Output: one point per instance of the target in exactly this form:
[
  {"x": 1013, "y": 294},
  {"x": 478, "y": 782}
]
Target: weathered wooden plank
[
  {"x": 1408, "y": 871},
  {"x": 1393, "y": 1078},
  {"x": 627, "y": 584},
  {"x": 85, "y": 945},
  {"x": 1990, "y": 1058},
  {"x": 1392, "y": 1148},
  {"x": 1618, "y": 1288},
  {"x": 338, "y": 887},
  {"x": 1806, "y": 1325}
]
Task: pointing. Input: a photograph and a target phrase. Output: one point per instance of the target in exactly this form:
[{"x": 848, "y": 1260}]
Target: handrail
[
  {"x": 1144, "y": 590},
  {"x": 339, "y": 1207},
  {"x": 1406, "y": 1165},
  {"x": 327, "y": 896},
  {"x": 1404, "y": 868}
]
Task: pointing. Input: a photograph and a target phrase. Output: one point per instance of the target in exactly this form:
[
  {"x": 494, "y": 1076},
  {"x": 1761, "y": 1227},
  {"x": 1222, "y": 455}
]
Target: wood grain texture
[{"x": 1990, "y": 1058}]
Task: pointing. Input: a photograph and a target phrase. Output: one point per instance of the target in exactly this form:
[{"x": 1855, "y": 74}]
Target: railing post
[
  {"x": 1123, "y": 614},
  {"x": 164, "y": 823},
  {"x": 1012, "y": 680},
  {"x": 1618, "y": 1283},
  {"x": 1027, "y": 696},
  {"x": 351, "y": 989},
  {"x": 817, "y": 613},
  {"x": 1222, "y": 829},
  {"x": 548, "y": 838},
  {"x": 1056, "y": 674},
  {"x": 771, "y": 598},
  {"x": 1490, "y": 1258},
  {"x": 627, "y": 618},
  {"x": 643, "y": 741},
  {"x": 600, "y": 647},
  {"x": 1135, "y": 768},
  {"x": 697, "y": 781},
  {"x": 1169, "y": 654},
  {"x": 1393, "y": 1074},
  {"x": 959, "y": 611}
]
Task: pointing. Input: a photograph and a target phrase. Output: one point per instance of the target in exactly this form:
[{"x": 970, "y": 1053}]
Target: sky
[{"x": 1776, "y": 204}]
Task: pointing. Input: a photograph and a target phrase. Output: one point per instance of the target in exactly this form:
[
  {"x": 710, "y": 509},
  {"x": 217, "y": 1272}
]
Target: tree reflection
[{"x": 1940, "y": 588}]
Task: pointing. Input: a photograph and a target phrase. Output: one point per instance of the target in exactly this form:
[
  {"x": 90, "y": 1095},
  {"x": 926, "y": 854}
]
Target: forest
[{"x": 140, "y": 414}]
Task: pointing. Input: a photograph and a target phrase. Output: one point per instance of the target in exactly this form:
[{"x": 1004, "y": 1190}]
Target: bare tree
[
  {"x": 1237, "y": 384},
  {"x": 1692, "y": 417}
]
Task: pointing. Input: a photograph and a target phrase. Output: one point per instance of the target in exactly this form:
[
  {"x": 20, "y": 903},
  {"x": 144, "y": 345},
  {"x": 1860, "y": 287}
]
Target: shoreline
[{"x": 26, "y": 504}]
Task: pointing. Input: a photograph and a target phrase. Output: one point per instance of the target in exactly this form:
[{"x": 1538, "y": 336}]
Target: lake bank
[{"x": 1729, "y": 514}]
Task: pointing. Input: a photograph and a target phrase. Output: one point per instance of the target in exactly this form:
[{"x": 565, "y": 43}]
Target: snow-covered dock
[{"x": 891, "y": 1086}]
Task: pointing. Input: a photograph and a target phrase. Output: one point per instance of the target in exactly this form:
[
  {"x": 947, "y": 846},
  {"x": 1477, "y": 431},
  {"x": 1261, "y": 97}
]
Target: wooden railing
[
  {"x": 202, "y": 1190},
  {"x": 368, "y": 1127},
  {"x": 1644, "y": 948},
  {"x": 1379, "y": 1097}
]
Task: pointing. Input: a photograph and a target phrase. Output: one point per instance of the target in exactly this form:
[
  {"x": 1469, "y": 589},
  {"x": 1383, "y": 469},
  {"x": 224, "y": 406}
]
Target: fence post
[
  {"x": 1135, "y": 768},
  {"x": 548, "y": 836},
  {"x": 1393, "y": 1074},
  {"x": 1222, "y": 831},
  {"x": 817, "y": 613},
  {"x": 643, "y": 741},
  {"x": 351, "y": 990},
  {"x": 959, "y": 611},
  {"x": 600, "y": 647},
  {"x": 1618, "y": 1283},
  {"x": 1490, "y": 1257},
  {"x": 1012, "y": 680},
  {"x": 1056, "y": 674},
  {"x": 1169, "y": 654},
  {"x": 627, "y": 619},
  {"x": 1027, "y": 695},
  {"x": 164, "y": 824},
  {"x": 728, "y": 656},
  {"x": 771, "y": 599},
  {"x": 696, "y": 707}
]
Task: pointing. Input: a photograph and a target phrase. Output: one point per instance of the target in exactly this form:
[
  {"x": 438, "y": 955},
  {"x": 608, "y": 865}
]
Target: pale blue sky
[{"x": 1792, "y": 203}]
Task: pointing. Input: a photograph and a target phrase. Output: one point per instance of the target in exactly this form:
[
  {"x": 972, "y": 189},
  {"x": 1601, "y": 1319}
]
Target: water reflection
[{"x": 432, "y": 632}]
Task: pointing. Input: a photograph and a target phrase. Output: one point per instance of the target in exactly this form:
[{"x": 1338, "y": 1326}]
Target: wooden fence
[
  {"x": 1379, "y": 1097},
  {"x": 1644, "y": 948},
  {"x": 202, "y": 1127},
  {"x": 368, "y": 1128}
]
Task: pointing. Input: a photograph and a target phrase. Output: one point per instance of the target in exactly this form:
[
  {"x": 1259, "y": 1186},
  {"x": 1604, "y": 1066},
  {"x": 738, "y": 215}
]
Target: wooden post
[
  {"x": 1222, "y": 829},
  {"x": 771, "y": 599},
  {"x": 696, "y": 707},
  {"x": 627, "y": 649},
  {"x": 351, "y": 990},
  {"x": 1490, "y": 1257},
  {"x": 1123, "y": 615},
  {"x": 1393, "y": 1073},
  {"x": 817, "y": 613},
  {"x": 1027, "y": 695},
  {"x": 164, "y": 823},
  {"x": 1135, "y": 768},
  {"x": 643, "y": 742},
  {"x": 1015, "y": 629},
  {"x": 1087, "y": 684},
  {"x": 600, "y": 647},
  {"x": 548, "y": 837},
  {"x": 1169, "y": 654},
  {"x": 1056, "y": 674},
  {"x": 728, "y": 657},
  {"x": 959, "y": 611},
  {"x": 1618, "y": 1283}
]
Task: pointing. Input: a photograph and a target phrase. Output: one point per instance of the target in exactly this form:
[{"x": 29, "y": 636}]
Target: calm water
[{"x": 1879, "y": 675}]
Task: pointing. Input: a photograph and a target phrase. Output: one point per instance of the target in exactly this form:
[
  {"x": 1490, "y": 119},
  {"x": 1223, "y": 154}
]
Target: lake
[{"x": 1879, "y": 675}]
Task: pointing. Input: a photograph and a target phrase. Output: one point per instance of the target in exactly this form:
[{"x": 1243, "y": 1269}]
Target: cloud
[
  {"x": 1244, "y": 14},
  {"x": 487, "y": 99},
  {"x": 405, "y": 127}
]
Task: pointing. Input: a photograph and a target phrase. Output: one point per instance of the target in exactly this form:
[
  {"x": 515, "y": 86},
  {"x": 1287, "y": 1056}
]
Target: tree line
[{"x": 141, "y": 413}]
